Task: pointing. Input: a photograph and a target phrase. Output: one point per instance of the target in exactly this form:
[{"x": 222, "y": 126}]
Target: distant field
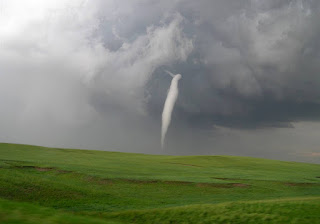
[{"x": 47, "y": 185}]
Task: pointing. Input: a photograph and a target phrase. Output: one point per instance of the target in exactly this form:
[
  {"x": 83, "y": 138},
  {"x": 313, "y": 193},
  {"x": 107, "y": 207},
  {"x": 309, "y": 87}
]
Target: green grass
[
  {"x": 302, "y": 210},
  {"x": 99, "y": 186},
  {"x": 26, "y": 213}
]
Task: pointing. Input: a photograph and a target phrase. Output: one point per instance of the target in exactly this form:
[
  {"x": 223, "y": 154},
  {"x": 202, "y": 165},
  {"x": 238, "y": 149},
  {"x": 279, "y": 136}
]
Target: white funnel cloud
[{"x": 168, "y": 105}]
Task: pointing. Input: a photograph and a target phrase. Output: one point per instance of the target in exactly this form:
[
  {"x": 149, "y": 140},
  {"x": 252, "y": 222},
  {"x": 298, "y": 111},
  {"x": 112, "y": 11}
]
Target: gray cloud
[
  {"x": 252, "y": 59},
  {"x": 90, "y": 73}
]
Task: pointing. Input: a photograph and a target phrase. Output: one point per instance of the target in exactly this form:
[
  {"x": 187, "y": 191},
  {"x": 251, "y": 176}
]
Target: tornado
[{"x": 172, "y": 96}]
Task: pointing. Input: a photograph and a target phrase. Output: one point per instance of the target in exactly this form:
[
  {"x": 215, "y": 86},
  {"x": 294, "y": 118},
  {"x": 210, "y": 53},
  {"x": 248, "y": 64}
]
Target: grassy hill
[{"x": 48, "y": 185}]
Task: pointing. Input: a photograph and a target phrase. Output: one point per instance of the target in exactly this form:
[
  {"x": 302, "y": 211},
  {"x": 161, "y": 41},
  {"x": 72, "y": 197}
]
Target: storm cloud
[{"x": 90, "y": 74}]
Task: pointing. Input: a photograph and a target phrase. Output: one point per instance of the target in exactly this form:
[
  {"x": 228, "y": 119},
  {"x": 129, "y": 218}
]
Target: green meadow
[{"x": 50, "y": 185}]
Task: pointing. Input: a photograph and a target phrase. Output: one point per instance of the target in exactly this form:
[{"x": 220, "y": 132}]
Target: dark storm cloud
[
  {"x": 254, "y": 62},
  {"x": 91, "y": 73}
]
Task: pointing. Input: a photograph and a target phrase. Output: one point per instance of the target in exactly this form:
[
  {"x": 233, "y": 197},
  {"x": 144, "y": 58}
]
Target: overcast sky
[{"x": 90, "y": 74}]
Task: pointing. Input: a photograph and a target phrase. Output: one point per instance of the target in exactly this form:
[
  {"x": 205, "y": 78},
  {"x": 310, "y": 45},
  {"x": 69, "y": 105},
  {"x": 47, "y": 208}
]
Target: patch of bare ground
[
  {"x": 43, "y": 169},
  {"x": 225, "y": 178},
  {"x": 27, "y": 167},
  {"x": 240, "y": 185},
  {"x": 185, "y": 183},
  {"x": 135, "y": 181}
]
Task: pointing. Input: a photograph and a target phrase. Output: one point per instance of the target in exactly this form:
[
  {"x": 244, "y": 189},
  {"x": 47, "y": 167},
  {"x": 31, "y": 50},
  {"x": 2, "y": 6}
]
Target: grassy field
[{"x": 46, "y": 185}]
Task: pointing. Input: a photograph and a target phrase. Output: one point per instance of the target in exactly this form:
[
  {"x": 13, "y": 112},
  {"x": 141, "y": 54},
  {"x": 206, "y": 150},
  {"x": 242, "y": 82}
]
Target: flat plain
[{"x": 52, "y": 185}]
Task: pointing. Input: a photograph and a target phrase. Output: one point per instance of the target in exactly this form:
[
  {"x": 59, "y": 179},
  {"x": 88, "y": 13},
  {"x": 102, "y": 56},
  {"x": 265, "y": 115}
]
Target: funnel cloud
[{"x": 171, "y": 99}]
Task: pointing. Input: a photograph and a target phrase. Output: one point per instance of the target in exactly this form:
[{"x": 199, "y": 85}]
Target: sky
[{"x": 91, "y": 74}]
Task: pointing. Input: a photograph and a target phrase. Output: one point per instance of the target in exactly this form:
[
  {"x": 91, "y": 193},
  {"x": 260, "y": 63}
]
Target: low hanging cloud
[{"x": 93, "y": 71}]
